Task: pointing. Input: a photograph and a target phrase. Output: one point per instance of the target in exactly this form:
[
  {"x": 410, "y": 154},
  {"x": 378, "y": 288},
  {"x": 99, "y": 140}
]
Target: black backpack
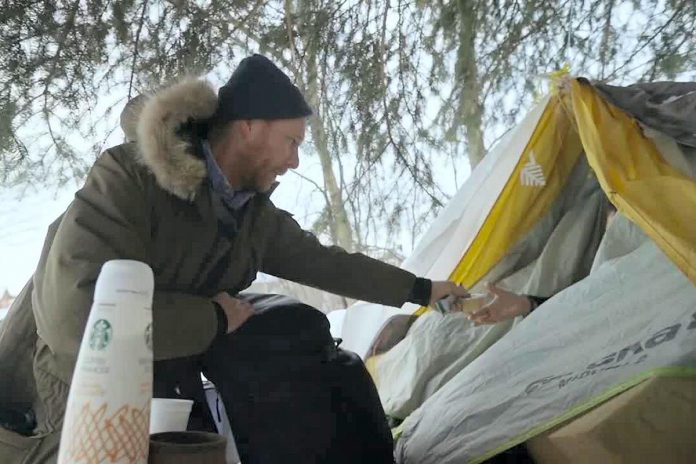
[{"x": 292, "y": 395}]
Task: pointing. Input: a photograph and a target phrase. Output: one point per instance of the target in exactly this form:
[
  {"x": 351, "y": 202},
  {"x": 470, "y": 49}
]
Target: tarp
[{"x": 669, "y": 107}]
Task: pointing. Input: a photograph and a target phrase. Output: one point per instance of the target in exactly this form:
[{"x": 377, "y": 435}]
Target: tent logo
[{"x": 532, "y": 175}]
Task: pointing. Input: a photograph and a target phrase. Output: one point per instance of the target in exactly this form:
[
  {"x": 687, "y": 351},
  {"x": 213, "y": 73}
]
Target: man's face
[{"x": 272, "y": 149}]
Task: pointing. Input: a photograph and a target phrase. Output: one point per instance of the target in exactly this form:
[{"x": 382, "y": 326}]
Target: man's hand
[
  {"x": 236, "y": 310},
  {"x": 505, "y": 305},
  {"x": 445, "y": 288}
]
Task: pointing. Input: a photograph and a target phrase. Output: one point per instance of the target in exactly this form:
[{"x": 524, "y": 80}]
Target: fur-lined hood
[{"x": 170, "y": 157}]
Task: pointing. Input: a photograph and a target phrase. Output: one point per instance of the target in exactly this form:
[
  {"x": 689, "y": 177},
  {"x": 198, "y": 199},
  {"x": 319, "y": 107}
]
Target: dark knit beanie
[{"x": 259, "y": 90}]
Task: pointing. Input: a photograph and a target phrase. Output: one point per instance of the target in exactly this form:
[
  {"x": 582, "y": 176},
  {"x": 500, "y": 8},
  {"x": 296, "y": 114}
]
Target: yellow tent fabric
[{"x": 638, "y": 181}]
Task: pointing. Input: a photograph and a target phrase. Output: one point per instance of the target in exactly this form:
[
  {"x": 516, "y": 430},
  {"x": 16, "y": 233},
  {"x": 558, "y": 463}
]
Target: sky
[{"x": 24, "y": 224}]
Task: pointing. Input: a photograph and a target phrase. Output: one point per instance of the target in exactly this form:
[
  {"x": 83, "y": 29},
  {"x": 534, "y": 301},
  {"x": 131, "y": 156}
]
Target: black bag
[{"x": 291, "y": 395}]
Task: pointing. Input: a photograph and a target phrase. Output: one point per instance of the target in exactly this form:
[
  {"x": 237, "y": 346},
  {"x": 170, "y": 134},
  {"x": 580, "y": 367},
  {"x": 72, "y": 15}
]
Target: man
[{"x": 190, "y": 198}]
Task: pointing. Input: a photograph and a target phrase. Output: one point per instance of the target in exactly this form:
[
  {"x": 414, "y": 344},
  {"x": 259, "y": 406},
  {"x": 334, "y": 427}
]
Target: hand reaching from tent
[
  {"x": 505, "y": 305},
  {"x": 444, "y": 288}
]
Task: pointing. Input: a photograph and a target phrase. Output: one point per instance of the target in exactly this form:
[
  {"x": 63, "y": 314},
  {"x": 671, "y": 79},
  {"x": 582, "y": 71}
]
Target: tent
[{"x": 533, "y": 216}]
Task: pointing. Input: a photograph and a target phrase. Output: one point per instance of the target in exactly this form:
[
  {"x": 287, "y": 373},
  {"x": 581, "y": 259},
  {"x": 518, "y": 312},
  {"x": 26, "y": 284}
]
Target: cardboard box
[{"x": 653, "y": 422}]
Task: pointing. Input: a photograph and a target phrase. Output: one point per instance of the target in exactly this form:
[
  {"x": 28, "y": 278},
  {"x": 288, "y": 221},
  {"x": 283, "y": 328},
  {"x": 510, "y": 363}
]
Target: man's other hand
[
  {"x": 445, "y": 288},
  {"x": 236, "y": 310}
]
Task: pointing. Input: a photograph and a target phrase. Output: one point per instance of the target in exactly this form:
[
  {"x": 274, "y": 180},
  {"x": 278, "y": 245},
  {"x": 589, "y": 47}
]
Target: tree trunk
[
  {"x": 339, "y": 224},
  {"x": 309, "y": 81},
  {"x": 470, "y": 108}
]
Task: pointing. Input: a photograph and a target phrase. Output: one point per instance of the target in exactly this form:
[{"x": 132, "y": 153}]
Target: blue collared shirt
[{"x": 232, "y": 199}]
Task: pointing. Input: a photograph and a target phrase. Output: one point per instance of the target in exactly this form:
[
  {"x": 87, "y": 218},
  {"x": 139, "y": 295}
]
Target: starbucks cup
[
  {"x": 108, "y": 408},
  {"x": 169, "y": 415}
]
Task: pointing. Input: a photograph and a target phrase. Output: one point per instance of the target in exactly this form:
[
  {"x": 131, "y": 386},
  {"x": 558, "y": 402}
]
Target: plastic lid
[{"x": 123, "y": 279}]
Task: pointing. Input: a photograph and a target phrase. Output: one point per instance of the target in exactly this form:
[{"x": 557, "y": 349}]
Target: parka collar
[{"x": 171, "y": 156}]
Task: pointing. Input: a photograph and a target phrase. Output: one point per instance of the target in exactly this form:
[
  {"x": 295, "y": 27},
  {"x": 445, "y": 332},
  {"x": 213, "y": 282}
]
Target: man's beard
[{"x": 264, "y": 181}]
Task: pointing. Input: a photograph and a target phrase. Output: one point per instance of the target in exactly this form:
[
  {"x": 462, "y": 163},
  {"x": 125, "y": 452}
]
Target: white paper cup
[
  {"x": 169, "y": 415},
  {"x": 473, "y": 303}
]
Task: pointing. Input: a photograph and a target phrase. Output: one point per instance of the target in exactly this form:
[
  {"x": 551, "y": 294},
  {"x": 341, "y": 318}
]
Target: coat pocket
[{"x": 20, "y": 449}]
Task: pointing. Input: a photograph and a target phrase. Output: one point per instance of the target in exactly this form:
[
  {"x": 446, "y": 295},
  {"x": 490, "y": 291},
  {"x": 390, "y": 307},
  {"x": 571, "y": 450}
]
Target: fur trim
[
  {"x": 169, "y": 157},
  {"x": 130, "y": 116}
]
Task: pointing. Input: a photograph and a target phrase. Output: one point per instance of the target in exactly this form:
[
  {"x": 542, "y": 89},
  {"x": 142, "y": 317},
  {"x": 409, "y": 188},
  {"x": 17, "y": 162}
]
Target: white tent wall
[{"x": 451, "y": 232}]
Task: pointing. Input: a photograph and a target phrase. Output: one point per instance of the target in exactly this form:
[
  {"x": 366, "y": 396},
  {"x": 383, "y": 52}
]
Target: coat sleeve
[
  {"x": 295, "y": 254},
  {"x": 110, "y": 219}
]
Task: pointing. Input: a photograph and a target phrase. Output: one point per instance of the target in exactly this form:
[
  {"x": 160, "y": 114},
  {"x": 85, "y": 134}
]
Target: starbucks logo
[
  {"x": 148, "y": 336},
  {"x": 101, "y": 335}
]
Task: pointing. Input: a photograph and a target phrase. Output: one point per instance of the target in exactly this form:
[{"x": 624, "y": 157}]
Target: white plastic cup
[{"x": 169, "y": 415}]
